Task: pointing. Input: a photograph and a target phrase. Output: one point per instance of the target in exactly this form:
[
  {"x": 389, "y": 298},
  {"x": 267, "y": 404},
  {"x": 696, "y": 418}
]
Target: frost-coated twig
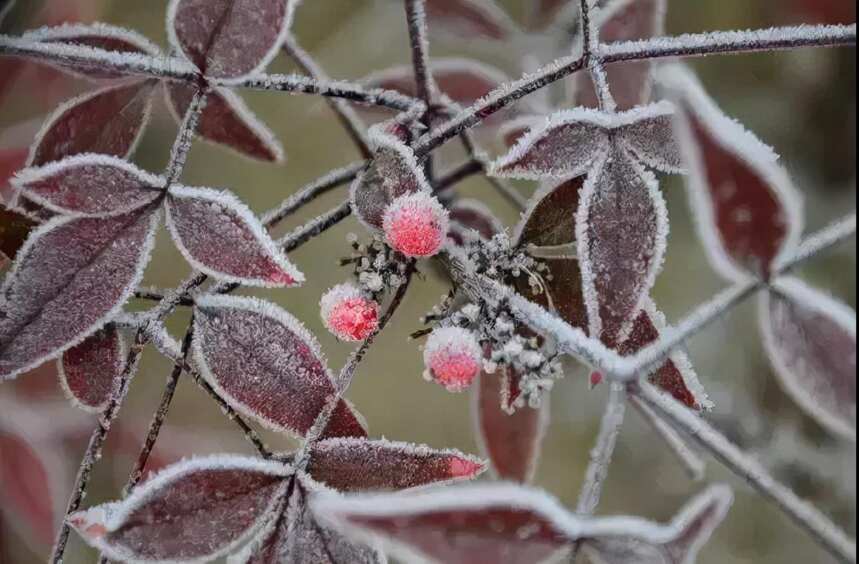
[
  {"x": 323, "y": 185},
  {"x": 345, "y": 114},
  {"x": 424, "y": 82},
  {"x": 96, "y": 443},
  {"x": 826, "y": 533},
  {"x": 591, "y": 50},
  {"x": 185, "y": 138},
  {"x": 689, "y": 45},
  {"x": 693, "y": 464}
]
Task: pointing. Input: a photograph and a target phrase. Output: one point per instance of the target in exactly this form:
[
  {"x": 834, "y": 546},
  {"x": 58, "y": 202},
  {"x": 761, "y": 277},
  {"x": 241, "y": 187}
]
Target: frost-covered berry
[
  {"x": 453, "y": 358},
  {"x": 416, "y": 225},
  {"x": 348, "y": 314}
]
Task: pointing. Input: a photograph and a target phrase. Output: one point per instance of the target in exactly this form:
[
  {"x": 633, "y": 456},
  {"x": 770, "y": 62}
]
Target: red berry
[
  {"x": 416, "y": 225},
  {"x": 348, "y": 314},
  {"x": 453, "y": 358}
]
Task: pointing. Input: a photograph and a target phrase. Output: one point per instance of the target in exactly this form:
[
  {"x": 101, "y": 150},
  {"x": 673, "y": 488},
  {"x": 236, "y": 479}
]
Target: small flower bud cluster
[
  {"x": 498, "y": 260},
  {"x": 377, "y": 268}
]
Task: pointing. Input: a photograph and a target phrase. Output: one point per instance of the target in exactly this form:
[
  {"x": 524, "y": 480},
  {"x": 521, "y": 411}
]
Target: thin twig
[
  {"x": 693, "y": 464},
  {"x": 825, "y": 532}
]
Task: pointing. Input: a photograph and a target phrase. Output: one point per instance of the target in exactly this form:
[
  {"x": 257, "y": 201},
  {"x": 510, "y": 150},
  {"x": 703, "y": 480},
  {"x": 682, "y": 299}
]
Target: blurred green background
[{"x": 803, "y": 103}]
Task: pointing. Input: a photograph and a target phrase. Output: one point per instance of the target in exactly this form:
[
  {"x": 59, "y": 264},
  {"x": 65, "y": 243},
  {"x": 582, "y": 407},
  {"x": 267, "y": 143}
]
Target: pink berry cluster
[
  {"x": 348, "y": 313},
  {"x": 416, "y": 225}
]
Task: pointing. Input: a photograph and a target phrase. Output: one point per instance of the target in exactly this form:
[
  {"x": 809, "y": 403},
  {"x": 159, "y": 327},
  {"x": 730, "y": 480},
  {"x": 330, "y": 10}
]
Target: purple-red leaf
[
  {"x": 548, "y": 229},
  {"x": 676, "y": 376},
  {"x": 72, "y": 276},
  {"x": 626, "y": 20},
  {"x": 227, "y": 121},
  {"x": 97, "y": 36},
  {"x": 622, "y": 229},
  {"x": 95, "y": 185},
  {"x": 748, "y": 212},
  {"x": 811, "y": 340},
  {"x": 470, "y": 19},
  {"x": 220, "y": 236},
  {"x": 296, "y": 537},
  {"x": 501, "y": 524},
  {"x": 15, "y": 228},
  {"x": 193, "y": 511},
  {"x": 393, "y": 172},
  {"x": 267, "y": 365},
  {"x": 108, "y": 121},
  {"x": 512, "y": 441},
  {"x": 362, "y": 465},
  {"x": 677, "y": 543},
  {"x": 470, "y": 219},
  {"x": 229, "y": 38},
  {"x": 88, "y": 370}
]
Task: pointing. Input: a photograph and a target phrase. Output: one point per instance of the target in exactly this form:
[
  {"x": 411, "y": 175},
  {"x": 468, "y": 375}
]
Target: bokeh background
[{"x": 803, "y": 103}]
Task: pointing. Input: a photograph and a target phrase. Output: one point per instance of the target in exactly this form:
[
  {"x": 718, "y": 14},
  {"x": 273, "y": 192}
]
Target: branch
[
  {"x": 819, "y": 526},
  {"x": 689, "y": 45}
]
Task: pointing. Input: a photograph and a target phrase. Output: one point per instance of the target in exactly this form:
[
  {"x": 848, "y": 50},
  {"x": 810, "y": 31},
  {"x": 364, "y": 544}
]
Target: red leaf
[
  {"x": 297, "y": 538},
  {"x": 11, "y": 161},
  {"x": 94, "y": 185},
  {"x": 362, "y": 465},
  {"x": 108, "y": 121},
  {"x": 72, "y": 275},
  {"x": 229, "y": 38},
  {"x": 88, "y": 370},
  {"x": 626, "y": 20},
  {"x": 227, "y": 121},
  {"x": 512, "y": 441},
  {"x": 97, "y": 36},
  {"x": 470, "y": 19},
  {"x": 393, "y": 172},
  {"x": 500, "y": 524},
  {"x": 471, "y": 218},
  {"x": 549, "y": 227},
  {"x": 220, "y": 236},
  {"x": 622, "y": 231},
  {"x": 749, "y": 214},
  {"x": 267, "y": 365},
  {"x": 193, "y": 511},
  {"x": 676, "y": 376},
  {"x": 15, "y": 228},
  {"x": 811, "y": 340},
  {"x": 26, "y": 488}
]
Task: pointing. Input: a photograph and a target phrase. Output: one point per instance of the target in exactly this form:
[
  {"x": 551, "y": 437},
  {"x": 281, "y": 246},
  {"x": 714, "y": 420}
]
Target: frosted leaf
[
  {"x": 512, "y": 131},
  {"x": 267, "y": 365},
  {"x": 361, "y": 465},
  {"x": 11, "y": 161},
  {"x": 565, "y": 145},
  {"x": 88, "y": 370},
  {"x": 678, "y": 543},
  {"x": 108, "y": 122},
  {"x": 95, "y": 185},
  {"x": 229, "y": 38},
  {"x": 626, "y": 20},
  {"x": 297, "y": 538},
  {"x": 652, "y": 139},
  {"x": 469, "y": 19},
  {"x": 676, "y": 376},
  {"x": 15, "y": 228},
  {"x": 749, "y": 214},
  {"x": 393, "y": 172},
  {"x": 72, "y": 276},
  {"x": 622, "y": 232},
  {"x": 502, "y": 524},
  {"x": 193, "y": 511},
  {"x": 220, "y": 236},
  {"x": 470, "y": 220},
  {"x": 463, "y": 81},
  {"x": 512, "y": 441},
  {"x": 811, "y": 341},
  {"x": 550, "y": 222},
  {"x": 106, "y": 37},
  {"x": 227, "y": 121},
  {"x": 28, "y": 486}
]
